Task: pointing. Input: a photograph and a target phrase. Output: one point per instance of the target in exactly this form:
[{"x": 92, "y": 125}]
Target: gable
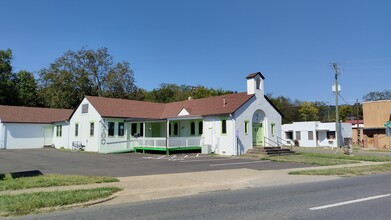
[{"x": 183, "y": 112}]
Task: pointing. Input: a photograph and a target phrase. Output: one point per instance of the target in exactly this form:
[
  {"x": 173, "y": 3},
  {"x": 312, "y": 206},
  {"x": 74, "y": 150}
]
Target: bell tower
[{"x": 255, "y": 83}]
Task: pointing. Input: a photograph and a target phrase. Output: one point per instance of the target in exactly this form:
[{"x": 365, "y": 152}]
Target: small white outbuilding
[{"x": 316, "y": 134}]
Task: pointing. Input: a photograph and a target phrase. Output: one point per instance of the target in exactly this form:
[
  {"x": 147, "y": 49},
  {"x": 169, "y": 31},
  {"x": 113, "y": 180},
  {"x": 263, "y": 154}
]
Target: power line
[{"x": 343, "y": 99}]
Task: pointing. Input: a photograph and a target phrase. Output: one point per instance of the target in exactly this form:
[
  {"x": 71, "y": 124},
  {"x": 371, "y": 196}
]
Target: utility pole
[
  {"x": 358, "y": 127},
  {"x": 337, "y": 135}
]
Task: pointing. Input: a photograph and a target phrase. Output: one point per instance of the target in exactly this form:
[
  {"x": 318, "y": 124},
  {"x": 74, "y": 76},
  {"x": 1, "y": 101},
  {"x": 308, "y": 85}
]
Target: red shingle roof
[
  {"x": 122, "y": 108},
  {"x": 252, "y": 75},
  {"x": 20, "y": 114}
]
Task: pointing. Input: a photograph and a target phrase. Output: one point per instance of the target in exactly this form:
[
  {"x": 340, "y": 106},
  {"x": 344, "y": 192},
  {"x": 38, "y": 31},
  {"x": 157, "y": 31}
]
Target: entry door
[
  {"x": 257, "y": 134},
  {"x": 48, "y": 135}
]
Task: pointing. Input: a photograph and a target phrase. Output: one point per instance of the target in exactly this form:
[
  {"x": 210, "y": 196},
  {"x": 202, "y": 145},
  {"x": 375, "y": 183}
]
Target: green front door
[{"x": 258, "y": 134}]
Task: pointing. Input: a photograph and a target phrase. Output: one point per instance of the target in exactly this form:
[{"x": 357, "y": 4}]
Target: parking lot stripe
[
  {"x": 189, "y": 161},
  {"x": 228, "y": 164}
]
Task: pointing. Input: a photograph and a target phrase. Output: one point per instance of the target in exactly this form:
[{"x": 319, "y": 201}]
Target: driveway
[{"x": 119, "y": 165}]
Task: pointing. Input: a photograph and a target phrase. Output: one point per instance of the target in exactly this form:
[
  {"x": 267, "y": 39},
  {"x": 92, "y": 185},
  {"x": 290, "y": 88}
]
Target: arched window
[
  {"x": 176, "y": 128},
  {"x": 200, "y": 128},
  {"x": 192, "y": 128}
]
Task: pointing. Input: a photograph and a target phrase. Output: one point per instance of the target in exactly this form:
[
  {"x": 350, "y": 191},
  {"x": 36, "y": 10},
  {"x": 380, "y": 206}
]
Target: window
[
  {"x": 246, "y": 127},
  {"x": 121, "y": 129},
  {"x": 111, "y": 128},
  {"x": 84, "y": 108},
  {"x": 298, "y": 135},
  {"x": 331, "y": 135},
  {"x": 273, "y": 127},
  {"x": 310, "y": 135},
  {"x": 192, "y": 128},
  {"x": 134, "y": 129},
  {"x": 92, "y": 128},
  {"x": 76, "y": 130},
  {"x": 176, "y": 129},
  {"x": 200, "y": 127},
  {"x": 289, "y": 135},
  {"x": 59, "y": 130},
  {"x": 224, "y": 126}
]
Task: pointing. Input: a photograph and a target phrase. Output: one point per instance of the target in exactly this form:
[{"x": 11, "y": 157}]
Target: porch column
[{"x": 167, "y": 136}]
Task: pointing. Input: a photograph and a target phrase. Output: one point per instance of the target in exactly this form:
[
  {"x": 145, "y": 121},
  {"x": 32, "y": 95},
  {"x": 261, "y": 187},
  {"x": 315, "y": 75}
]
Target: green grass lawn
[
  {"x": 348, "y": 171},
  {"x": 347, "y": 157},
  {"x": 27, "y": 203},
  {"x": 325, "y": 159},
  {"x": 9, "y": 183}
]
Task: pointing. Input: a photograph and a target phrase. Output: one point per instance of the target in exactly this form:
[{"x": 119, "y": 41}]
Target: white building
[
  {"x": 315, "y": 133},
  {"x": 28, "y": 127},
  {"x": 228, "y": 124}
]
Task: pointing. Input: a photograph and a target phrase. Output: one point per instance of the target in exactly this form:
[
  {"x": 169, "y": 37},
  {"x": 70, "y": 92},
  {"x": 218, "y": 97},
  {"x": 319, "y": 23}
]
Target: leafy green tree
[
  {"x": 287, "y": 107},
  {"x": 7, "y": 78},
  {"x": 346, "y": 112},
  {"x": 308, "y": 112},
  {"x": 26, "y": 87},
  {"x": 375, "y": 96},
  {"x": 166, "y": 93},
  {"x": 85, "y": 72}
]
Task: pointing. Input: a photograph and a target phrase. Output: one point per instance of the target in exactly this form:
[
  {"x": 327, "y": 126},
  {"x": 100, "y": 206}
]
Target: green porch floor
[{"x": 163, "y": 149}]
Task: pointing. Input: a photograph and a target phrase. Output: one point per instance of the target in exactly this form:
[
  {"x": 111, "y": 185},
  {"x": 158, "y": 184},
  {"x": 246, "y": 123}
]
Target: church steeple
[{"x": 255, "y": 83}]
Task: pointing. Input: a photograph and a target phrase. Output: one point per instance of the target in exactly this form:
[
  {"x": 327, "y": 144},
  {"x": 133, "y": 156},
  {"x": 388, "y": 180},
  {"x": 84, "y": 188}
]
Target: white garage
[{"x": 29, "y": 127}]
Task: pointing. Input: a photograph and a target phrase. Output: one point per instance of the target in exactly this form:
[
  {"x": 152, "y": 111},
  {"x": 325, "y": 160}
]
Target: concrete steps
[{"x": 269, "y": 151}]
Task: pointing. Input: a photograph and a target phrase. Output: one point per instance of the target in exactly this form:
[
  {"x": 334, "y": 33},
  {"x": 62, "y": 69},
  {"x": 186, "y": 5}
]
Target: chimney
[
  {"x": 189, "y": 98},
  {"x": 224, "y": 101}
]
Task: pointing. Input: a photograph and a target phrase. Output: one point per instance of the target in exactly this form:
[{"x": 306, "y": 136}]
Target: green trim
[
  {"x": 121, "y": 152},
  {"x": 222, "y": 118},
  {"x": 273, "y": 128},
  {"x": 163, "y": 149}
]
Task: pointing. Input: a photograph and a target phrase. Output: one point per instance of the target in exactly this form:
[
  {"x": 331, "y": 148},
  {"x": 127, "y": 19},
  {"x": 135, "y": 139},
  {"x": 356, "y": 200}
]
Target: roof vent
[{"x": 189, "y": 98}]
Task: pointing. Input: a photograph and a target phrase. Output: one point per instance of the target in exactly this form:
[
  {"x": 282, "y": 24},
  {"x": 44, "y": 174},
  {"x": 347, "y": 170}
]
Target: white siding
[
  {"x": 92, "y": 143},
  {"x": 2, "y": 135},
  {"x": 61, "y": 141},
  {"x": 246, "y": 113},
  {"x": 221, "y": 143},
  {"x": 317, "y": 128}
]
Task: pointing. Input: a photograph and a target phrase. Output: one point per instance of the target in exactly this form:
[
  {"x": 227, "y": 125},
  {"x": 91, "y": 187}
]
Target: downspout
[
  {"x": 234, "y": 136},
  {"x": 69, "y": 131}
]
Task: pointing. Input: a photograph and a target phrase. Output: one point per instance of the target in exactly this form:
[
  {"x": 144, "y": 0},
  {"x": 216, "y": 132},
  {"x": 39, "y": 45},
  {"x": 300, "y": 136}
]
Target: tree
[
  {"x": 346, "y": 112},
  {"x": 85, "y": 72},
  {"x": 308, "y": 112},
  {"x": 7, "y": 86},
  {"x": 26, "y": 87},
  {"x": 375, "y": 96},
  {"x": 287, "y": 107}
]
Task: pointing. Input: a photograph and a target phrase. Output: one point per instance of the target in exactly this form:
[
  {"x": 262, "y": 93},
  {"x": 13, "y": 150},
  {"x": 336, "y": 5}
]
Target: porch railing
[{"x": 152, "y": 142}]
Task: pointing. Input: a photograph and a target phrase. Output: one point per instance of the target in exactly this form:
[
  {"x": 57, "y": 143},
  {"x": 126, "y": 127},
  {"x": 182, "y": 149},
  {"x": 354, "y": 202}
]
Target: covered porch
[{"x": 168, "y": 135}]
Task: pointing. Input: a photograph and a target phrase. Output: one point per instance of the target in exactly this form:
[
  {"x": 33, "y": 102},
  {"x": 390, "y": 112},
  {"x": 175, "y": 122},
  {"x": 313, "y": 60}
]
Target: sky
[{"x": 215, "y": 43}]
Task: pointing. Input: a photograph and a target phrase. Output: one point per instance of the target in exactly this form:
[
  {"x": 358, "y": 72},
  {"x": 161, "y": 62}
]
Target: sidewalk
[{"x": 142, "y": 188}]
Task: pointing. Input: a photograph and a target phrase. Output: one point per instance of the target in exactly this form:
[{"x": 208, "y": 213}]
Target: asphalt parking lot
[{"x": 83, "y": 163}]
